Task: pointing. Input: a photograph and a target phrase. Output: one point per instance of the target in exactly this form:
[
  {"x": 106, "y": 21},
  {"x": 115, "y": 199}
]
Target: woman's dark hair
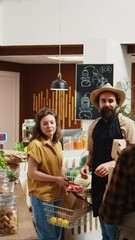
[{"x": 36, "y": 131}]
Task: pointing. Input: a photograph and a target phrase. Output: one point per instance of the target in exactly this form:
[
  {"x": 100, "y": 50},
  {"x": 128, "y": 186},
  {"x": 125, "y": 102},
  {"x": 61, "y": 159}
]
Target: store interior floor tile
[{"x": 94, "y": 235}]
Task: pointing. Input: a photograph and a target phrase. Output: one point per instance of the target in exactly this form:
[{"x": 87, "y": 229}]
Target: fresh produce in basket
[
  {"x": 83, "y": 182},
  {"x": 74, "y": 187},
  {"x": 53, "y": 220},
  {"x": 59, "y": 221},
  {"x": 65, "y": 223},
  {"x": 71, "y": 173}
]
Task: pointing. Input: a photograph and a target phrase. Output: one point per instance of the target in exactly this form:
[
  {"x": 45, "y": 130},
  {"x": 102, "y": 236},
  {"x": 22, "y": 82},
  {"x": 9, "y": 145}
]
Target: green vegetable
[
  {"x": 82, "y": 181},
  {"x": 71, "y": 173}
]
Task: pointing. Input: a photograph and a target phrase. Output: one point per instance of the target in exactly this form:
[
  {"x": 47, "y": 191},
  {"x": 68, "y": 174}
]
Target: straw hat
[{"x": 106, "y": 88}]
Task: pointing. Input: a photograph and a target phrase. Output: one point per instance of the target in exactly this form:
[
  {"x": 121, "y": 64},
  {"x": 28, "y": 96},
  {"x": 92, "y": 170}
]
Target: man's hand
[
  {"x": 103, "y": 169},
  {"x": 84, "y": 171}
]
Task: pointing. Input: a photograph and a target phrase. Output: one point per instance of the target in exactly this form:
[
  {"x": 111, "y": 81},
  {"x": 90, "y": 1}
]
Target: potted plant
[
  {"x": 12, "y": 176},
  {"x": 21, "y": 149}
]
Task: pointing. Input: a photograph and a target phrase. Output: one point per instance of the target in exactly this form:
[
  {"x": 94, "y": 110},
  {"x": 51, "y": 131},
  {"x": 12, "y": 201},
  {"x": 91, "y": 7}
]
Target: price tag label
[{"x": 3, "y": 137}]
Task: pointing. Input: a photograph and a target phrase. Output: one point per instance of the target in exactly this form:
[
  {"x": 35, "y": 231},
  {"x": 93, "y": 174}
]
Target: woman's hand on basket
[{"x": 62, "y": 181}]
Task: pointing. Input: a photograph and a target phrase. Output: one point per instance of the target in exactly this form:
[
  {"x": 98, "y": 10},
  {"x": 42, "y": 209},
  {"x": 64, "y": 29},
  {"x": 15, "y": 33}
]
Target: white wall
[
  {"x": 98, "y": 51},
  {"x": 1, "y": 26},
  {"x": 37, "y": 21},
  {"x": 100, "y": 25}
]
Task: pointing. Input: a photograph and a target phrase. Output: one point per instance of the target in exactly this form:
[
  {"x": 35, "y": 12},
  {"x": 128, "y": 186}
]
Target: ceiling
[
  {"x": 43, "y": 59},
  {"x": 48, "y": 54}
]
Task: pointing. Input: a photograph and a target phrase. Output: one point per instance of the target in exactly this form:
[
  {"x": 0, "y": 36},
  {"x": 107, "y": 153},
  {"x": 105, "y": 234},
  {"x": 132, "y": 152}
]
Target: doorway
[{"x": 9, "y": 107}]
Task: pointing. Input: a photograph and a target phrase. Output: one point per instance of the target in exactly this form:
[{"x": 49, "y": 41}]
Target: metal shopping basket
[{"x": 64, "y": 217}]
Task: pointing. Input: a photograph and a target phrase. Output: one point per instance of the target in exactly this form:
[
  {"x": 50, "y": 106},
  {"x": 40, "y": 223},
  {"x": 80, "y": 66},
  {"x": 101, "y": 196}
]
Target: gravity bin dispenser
[{"x": 26, "y": 130}]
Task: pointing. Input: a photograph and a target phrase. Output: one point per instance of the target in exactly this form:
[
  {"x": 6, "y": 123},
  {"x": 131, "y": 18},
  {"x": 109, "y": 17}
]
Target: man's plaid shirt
[{"x": 120, "y": 196}]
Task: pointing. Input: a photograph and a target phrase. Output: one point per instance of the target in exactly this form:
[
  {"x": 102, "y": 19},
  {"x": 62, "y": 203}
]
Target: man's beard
[{"x": 107, "y": 113}]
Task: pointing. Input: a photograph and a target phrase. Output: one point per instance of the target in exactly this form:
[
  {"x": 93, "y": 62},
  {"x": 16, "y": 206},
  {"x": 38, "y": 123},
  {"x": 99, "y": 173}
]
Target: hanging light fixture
[{"x": 59, "y": 83}]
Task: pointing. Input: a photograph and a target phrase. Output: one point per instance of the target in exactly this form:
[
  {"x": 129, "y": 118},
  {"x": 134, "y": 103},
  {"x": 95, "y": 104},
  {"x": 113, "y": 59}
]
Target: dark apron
[{"x": 103, "y": 135}]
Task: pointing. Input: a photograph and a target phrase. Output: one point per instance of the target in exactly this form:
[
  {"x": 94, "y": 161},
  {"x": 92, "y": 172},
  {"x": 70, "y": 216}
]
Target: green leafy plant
[
  {"x": 3, "y": 163},
  {"x": 125, "y": 109},
  {"x": 126, "y": 113},
  {"x": 11, "y": 175},
  {"x": 1, "y": 153},
  {"x": 19, "y": 146}
]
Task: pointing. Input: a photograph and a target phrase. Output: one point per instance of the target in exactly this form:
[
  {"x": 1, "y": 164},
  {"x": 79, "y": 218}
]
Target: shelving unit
[{"x": 72, "y": 157}]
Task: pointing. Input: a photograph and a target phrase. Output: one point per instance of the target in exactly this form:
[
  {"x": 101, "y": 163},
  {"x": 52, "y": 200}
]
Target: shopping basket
[{"x": 65, "y": 217}]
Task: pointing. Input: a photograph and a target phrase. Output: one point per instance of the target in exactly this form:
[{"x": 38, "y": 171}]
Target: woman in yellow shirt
[{"x": 46, "y": 180}]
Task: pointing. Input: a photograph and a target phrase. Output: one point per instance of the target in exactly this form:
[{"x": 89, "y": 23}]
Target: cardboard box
[{"x": 117, "y": 147}]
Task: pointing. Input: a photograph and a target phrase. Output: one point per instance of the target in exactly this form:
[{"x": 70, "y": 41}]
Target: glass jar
[
  {"x": 26, "y": 130},
  {"x": 78, "y": 143},
  {"x": 84, "y": 139},
  {"x": 3, "y": 173},
  {"x": 8, "y": 214},
  {"x": 4, "y": 185},
  {"x": 67, "y": 143}
]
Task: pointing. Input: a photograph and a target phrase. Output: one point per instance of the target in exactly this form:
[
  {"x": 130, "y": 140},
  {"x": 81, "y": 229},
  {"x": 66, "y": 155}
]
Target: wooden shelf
[{"x": 26, "y": 229}]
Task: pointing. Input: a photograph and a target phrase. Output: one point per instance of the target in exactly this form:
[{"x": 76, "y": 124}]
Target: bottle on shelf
[
  {"x": 84, "y": 139},
  {"x": 78, "y": 143}
]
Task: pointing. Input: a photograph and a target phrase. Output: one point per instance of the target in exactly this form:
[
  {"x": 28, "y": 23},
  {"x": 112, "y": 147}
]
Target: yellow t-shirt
[{"x": 49, "y": 159}]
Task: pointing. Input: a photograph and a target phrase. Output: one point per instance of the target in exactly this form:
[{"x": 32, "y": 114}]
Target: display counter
[{"x": 26, "y": 229}]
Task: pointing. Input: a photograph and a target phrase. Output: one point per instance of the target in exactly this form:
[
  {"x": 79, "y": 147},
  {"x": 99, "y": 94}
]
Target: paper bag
[{"x": 77, "y": 203}]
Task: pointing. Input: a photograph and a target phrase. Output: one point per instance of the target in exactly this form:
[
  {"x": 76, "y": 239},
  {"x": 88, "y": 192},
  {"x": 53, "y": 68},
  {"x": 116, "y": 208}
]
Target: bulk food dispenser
[{"x": 26, "y": 130}]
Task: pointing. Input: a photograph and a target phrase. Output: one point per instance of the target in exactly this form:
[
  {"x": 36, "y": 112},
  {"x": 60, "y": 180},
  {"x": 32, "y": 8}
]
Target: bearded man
[{"x": 101, "y": 133}]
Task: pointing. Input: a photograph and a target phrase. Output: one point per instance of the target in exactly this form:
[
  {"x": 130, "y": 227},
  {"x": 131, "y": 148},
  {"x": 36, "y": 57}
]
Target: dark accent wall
[
  {"x": 35, "y": 78},
  {"x": 133, "y": 88}
]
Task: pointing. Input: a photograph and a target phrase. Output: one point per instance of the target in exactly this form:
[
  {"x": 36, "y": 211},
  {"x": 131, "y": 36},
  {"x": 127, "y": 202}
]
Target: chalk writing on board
[{"x": 88, "y": 78}]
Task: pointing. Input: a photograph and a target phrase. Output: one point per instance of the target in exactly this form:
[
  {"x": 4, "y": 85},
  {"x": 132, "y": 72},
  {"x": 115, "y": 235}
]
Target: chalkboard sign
[{"x": 88, "y": 78}]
